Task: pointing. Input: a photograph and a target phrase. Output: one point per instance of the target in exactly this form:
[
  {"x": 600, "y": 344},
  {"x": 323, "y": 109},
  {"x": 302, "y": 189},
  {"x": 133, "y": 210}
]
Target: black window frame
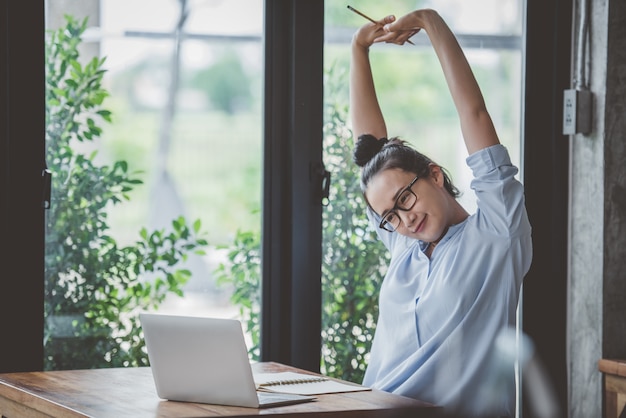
[
  {"x": 548, "y": 29},
  {"x": 22, "y": 158},
  {"x": 293, "y": 171}
]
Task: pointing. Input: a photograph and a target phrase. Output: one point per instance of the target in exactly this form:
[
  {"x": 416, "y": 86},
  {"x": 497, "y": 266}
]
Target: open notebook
[
  {"x": 303, "y": 384},
  {"x": 204, "y": 360}
]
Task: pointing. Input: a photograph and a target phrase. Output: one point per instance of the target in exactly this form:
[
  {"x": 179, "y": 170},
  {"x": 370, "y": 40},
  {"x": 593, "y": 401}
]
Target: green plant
[
  {"x": 243, "y": 271},
  {"x": 90, "y": 280},
  {"x": 354, "y": 260}
]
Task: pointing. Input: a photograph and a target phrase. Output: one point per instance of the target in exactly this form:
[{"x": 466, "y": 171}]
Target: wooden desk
[
  {"x": 130, "y": 392},
  {"x": 614, "y": 376}
]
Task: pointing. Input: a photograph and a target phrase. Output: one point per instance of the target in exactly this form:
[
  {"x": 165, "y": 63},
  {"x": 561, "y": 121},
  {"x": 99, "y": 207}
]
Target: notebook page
[{"x": 303, "y": 384}]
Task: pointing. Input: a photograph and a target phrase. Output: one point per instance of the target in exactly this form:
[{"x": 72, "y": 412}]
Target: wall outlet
[{"x": 576, "y": 111}]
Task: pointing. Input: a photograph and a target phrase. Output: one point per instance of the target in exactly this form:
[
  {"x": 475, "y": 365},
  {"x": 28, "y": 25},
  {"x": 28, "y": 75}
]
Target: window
[
  {"x": 186, "y": 101},
  {"x": 546, "y": 73},
  {"x": 417, "y": 107},
  {"x": 184, "y": 85}
]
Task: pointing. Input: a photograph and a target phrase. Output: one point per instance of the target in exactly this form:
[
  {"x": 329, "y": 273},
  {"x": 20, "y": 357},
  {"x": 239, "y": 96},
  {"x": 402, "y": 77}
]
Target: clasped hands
[{"x": 392, "y": 30}]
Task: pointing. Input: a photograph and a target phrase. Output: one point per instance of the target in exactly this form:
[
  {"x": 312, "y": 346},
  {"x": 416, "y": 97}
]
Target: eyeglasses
[{"x": 405, "y": 201}]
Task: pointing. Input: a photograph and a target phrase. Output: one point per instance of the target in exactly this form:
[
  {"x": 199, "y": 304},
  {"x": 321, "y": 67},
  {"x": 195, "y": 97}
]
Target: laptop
[{"x": 205, "y": 360}]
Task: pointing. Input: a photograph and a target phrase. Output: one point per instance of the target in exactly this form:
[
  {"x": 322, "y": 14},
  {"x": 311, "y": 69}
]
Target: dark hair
[{"x": 375, "y": 155}]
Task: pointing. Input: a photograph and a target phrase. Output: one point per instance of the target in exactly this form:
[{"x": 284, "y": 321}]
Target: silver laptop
[{"x": 204, "y": 360}]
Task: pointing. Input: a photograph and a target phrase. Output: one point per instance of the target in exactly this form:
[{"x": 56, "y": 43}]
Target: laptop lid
[{"x": 195, "y": 359}]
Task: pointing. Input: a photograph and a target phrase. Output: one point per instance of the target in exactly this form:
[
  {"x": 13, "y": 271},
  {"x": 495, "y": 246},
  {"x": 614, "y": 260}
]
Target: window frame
[
  {"x": 22, "y": 158},
  {"x": 548, "y": 34},
  {"x": 293, "y": 170},
  {"x": 291, "y": 311}
]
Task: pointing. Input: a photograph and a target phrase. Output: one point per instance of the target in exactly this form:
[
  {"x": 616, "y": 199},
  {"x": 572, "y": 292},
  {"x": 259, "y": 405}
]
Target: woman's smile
[{"x": 420, "y": 226}]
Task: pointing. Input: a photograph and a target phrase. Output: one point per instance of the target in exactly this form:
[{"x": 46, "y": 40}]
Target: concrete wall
[{"x": 597, "y": 244}]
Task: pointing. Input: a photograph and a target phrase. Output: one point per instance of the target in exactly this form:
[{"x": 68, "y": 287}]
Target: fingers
[
  {"x": 388, "y": 30},
  {"x": 367, "y": 34},
  {"x": 396, "y": 37},
  {"x": 410, "y": 22},
  {"x": 398, "y": 32},
  {"x": 387, "y": 20}
]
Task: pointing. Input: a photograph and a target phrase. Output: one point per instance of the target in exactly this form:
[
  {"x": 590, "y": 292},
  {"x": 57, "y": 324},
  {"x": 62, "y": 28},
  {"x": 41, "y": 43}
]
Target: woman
[{"x": 454, "y": 279}]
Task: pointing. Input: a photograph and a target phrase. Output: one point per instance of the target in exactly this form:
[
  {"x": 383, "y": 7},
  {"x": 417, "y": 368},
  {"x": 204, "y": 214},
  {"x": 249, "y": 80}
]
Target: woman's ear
[{"x": 436, "y": 174}]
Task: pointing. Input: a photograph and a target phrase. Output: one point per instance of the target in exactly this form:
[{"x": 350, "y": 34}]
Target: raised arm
[
  {"x": 365, "y": 112},
  {"x": 476, "y": 124}
]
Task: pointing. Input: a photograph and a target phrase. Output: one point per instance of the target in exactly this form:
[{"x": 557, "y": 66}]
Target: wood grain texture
[{"x": 130, "y": 392}]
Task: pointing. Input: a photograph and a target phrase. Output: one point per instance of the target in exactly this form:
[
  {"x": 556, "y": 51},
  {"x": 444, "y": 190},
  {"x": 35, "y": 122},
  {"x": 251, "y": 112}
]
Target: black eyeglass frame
[{"x": 383, "y": 223}]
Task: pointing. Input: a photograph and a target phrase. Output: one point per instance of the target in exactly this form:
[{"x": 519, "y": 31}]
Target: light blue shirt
[{"x": 439, "y": 317}]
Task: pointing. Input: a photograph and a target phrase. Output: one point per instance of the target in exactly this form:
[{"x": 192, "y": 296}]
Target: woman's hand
[
  {"x": 399, "y": 31},
  {"x": 371, "y": 33}
]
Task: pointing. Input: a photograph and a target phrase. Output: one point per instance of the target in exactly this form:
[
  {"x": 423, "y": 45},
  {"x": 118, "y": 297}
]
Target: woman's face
[{"x": 429, "y": 217}]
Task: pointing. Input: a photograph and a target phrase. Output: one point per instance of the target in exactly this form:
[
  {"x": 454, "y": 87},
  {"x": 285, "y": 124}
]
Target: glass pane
[
  {"x": 151, "y": 210},
  {"x": 417, "y": 107}
]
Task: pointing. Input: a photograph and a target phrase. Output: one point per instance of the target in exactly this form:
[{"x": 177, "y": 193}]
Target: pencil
[{"x": 370, "y": 19}]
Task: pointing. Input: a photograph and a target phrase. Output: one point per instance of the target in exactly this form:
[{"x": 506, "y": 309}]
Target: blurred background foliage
[{"x": 94, "y": 287}]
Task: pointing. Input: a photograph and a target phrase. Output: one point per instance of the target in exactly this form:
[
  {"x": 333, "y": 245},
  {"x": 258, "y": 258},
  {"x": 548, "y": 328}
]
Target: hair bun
[{"x": 366, "y": 148}]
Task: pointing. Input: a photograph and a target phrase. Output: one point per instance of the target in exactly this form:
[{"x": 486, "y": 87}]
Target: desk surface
[{"x": 130, "y": 392}]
